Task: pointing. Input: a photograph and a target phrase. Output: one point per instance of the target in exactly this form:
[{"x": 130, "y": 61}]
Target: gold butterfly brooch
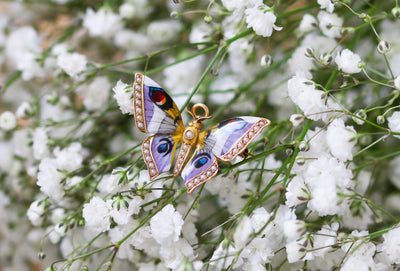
[{"x": 157, "y": 114}]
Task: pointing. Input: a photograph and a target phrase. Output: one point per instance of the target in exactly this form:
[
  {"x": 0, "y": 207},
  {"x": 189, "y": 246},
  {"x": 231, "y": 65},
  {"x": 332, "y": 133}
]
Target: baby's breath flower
[
  {"x": 348, "y": 61},
  {"x": 72, "y": 64},
  {"x": 8, "y": 121},
  {"x": 103, "y": 23},
  {"x": 262, "y": 20}
]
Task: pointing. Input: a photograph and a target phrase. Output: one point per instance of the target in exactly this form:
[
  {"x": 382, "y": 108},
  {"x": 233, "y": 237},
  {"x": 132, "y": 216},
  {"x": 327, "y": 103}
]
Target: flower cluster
[{"x": 319, "y": 190}]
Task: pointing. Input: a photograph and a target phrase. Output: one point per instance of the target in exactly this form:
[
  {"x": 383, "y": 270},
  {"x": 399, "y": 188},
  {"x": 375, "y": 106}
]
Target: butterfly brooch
[{"x": 156, "y": 113}]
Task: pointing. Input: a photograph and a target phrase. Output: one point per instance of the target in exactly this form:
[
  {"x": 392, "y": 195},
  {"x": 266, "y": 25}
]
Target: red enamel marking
[{"x": 158, "y": 96}]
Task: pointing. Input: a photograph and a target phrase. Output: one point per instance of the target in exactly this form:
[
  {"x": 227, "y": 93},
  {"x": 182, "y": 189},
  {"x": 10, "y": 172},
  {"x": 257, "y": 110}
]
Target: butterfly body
[{"x": 157, "y": 114}]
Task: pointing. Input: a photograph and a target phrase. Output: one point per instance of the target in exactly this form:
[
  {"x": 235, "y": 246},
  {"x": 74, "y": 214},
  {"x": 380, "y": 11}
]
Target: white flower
[
  {"x": 49, "y": 179},
  {"x": 360, "y": 253},
  {"x": 8, "y": 121},
  {"x": 21, "y": 143},
  {"x": 394, "y": 123},
  {"x": 95, "y": 95},
  {"x": 138, "y": 9},
  {"x": 23, "y": 47},
  {"x": 341, "y": 140},
  {"x": 201, "y": 32},
  {"x": 348, "y": 61},
  {"x": 164, "y": 31},
  {"x": 69, "y": 158},
  {"x": 330, "y": 24},
  {"x": 166, "y": 225},
  {"x": 324, "y": 239},
  {"x": 391, "y": 245},
  {"x": 297, "y": 192},
  {"x": 103, "y": 23},
  {"x": 397, "y": 82},
  {"x": 24, "y": 110},
  {"x": 40, "y": 139},
  {"x": 122, "y": 214},
  {"x": 242, "y": 232},
  {"x": 259, "y": 219},
  {"x": 72, "y": 64},
  {"x": 123, "y": 93},
  {"x": 311, "y": 101},
  {"x": 297, "y": 250},
  {"x": 294, "y": 229},
  {"x": 97, "y": 215},
  {"x": 327, "y": 4},
  {"x": 323, "y": 177},
  {"x": 308, "y": 23},
  {"x": 259, "y": 251},
  {"x": 172, "y": 256},
  {"x": 35, "y": 212},
  {"x": 262, "y": 20},
  {"x": 224, "y": 256}
]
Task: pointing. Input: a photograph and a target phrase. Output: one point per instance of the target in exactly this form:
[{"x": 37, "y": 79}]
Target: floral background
[{"x": 320, "y": 190}]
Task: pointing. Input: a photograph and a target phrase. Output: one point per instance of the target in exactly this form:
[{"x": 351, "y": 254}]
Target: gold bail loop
[{"x": 202, "y": 106}]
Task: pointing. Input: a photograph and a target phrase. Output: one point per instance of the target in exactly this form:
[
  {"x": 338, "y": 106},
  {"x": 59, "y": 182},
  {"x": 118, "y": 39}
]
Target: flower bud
[
  {"x": 266, "y": 61},
  {"x": 304, "y": 146},
  {"x": 207, "y": 19},
  {"x": 326, "y": 58},
  {"x": 296, "y": 119},
  {"x": 383, "y": 47},
  {"x": 396, "y": 12},
  {"x": 380, "y": 119},
  {"x": 300, "y": 160},
  {"x": 174, "y": 15},
  {"x": 360, "y": 113},
  {"x": 309, "y": 52},
  {"x": 41, "y": 255}
]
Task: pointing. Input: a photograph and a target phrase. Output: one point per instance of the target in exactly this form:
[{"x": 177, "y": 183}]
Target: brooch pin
[{"x": 157, "y": 114}]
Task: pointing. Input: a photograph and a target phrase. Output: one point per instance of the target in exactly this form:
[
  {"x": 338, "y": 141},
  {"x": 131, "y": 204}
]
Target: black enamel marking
[
  {"x": 164, "y": 147},
  {"x": 201, "y": 159},
  {"x": 160, "y": 98}
]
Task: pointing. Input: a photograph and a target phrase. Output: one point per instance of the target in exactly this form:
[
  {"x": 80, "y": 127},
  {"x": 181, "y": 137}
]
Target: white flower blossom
[
  {"x": 166, "y": 225},
  {"x": 8, "y": 121},
  {"x": 23, "y": 48},
  {"x": 49, "y": 179},
  {"x": 297, "y": 192},
  {"x": 308, "y": 23},
  {"x": 224, "y": 256},
  {"x": 35, "y": 212},
  {"x": 394, "y": 123},
  {"x": 174, "y": 255},
  {"x": 348, "y": 62},
  {"x": 123, "y": 93},
  {"x": 69, "y": 158},
  {"x": 390, "y": 245},
  {"x": 97, "y": 215},
  {"x": 95, "y": 95},
  {"x": 330, "y": 24},
  {"x": 329, "y": 5},
  {"x": 242, "y": 232},
  {"x": 311, "y": 101},
  {"x": 24, "y": 110},
  {"x": 164, "y": 31},
  {"x": 103, "y": 23},
  {"x": 72, "y": 64},
  {"x": 40, "y": 139},
  {"x": 262, "y": 20},
  {"x": 341, "y": 140},
  {"x": 323, "y": 177}
]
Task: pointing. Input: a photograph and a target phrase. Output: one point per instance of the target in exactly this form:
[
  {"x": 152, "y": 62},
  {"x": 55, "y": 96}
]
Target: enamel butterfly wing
[{"x": 157, "y": 114}]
